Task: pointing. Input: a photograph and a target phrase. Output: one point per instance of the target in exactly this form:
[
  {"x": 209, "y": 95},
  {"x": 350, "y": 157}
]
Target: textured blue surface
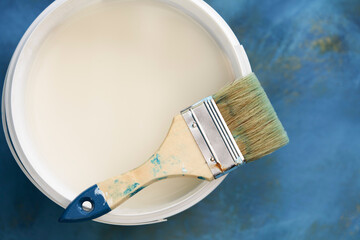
[{"x": 307, "y": 55}]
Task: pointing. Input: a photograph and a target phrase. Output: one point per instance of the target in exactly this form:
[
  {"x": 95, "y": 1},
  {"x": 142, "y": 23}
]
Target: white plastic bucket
[{"x": 13, "y": 125}]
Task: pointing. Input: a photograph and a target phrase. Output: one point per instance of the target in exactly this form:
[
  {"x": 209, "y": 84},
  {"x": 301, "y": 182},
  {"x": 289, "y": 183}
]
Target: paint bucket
[{"x": 13, "y": 107}]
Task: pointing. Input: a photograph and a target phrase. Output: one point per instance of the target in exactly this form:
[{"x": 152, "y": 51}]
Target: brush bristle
[{"x": 251, "y": 118}]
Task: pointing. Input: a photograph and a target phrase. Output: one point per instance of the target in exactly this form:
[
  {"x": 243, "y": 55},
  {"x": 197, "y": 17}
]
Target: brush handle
[
  {"x": 119, "y": 189},
  {"x": 179, "y": 155}
]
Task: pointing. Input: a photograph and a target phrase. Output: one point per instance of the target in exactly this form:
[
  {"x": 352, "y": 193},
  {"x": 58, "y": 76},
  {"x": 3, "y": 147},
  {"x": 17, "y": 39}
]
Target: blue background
[{"x": 307, "y": 55}]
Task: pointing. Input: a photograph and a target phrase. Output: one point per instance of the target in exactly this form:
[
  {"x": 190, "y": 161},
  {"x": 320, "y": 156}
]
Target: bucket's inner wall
[{"x": 102, "y": 89}]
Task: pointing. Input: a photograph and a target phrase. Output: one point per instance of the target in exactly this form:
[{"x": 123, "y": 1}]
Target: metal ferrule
[{"x": 213, "y": 136}]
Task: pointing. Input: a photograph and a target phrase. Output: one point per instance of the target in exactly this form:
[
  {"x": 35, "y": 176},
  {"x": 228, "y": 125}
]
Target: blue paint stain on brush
[
  {"x": 161, "y": 178},
  {"x": 156, "y": 160},
  {"x": 136, "y": 191},
  {"x": 130, "y": 188},
  {"x": 157, "y": 164}
]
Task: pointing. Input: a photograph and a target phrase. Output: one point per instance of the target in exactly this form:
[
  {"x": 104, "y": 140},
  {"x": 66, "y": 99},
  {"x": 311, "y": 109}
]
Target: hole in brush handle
[{"x": 88, "y": 205}]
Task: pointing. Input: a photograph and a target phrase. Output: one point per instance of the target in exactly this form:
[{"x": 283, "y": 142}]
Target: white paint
[
  {"x": 104, "y": 87},
  {"x": 19, "y": 136}
]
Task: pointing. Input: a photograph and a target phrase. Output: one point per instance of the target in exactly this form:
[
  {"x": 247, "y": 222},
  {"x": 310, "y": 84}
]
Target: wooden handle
[{"x": 179, "y": 155}]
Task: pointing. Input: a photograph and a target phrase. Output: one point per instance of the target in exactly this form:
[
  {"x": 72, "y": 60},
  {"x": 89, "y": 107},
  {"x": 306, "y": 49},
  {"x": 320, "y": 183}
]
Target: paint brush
[{"x": 207, "y": 140}]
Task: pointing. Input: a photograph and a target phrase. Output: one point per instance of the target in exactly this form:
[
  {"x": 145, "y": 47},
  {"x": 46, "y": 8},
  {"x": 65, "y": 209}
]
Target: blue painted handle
[{"x": 76, "y": 213}]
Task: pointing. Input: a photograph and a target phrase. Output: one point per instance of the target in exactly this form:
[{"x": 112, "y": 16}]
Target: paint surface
[{"x": 104, "y": 87}]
